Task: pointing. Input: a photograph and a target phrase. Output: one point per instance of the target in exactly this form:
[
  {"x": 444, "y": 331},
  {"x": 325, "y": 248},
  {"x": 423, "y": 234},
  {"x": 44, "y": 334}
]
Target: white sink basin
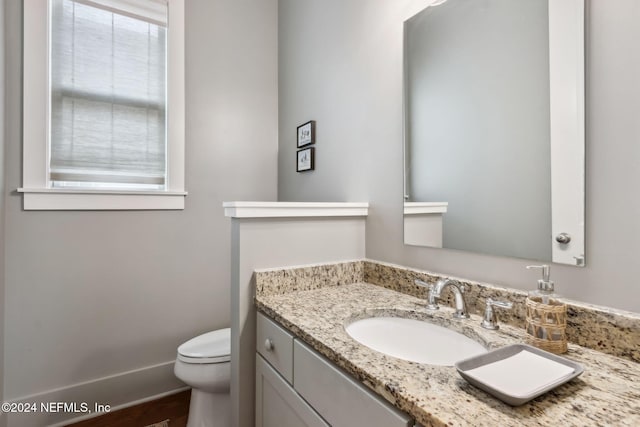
[{"x": 414, "y": 340}]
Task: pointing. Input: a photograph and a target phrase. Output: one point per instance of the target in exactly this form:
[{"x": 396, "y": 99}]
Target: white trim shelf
[
  {"x": 418, "y": 208},
  {"x": 294, "y": 209},
  {"x": 39, "y": 199}
]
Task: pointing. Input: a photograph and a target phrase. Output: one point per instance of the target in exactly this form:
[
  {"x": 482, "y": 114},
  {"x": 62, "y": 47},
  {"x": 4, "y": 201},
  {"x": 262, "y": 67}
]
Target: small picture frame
[
  {"x": 306, "y": 133},
  {"x": 304, "y": 160}
]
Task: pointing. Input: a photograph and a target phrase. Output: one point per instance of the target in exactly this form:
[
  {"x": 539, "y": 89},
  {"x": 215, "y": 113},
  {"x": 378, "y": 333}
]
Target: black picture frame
[
  {"x": 306, "y": 133},
  {"x": 305, "y": 160}
]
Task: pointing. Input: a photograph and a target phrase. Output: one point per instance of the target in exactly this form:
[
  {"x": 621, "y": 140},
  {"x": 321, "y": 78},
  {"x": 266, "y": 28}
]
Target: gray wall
[
  {"x": 341, "y": 64},
  {"x": 2, "y": 199},
  {"x": 478, "y": 130},
  {"x": 91, "y": 294}
]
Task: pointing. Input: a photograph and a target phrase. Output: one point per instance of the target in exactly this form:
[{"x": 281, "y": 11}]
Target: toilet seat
[{"x": 211, "y": 347}]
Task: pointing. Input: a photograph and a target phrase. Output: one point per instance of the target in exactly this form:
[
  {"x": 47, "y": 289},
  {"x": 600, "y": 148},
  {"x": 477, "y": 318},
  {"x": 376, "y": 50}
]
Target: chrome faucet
[{"x": 436, "y": 290}]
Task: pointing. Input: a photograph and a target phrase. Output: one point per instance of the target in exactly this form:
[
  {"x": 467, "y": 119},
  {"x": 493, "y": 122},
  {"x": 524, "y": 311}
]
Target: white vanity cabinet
[
  {"x": 277, "y": 403},
  {"x": 297, "y": 387}
]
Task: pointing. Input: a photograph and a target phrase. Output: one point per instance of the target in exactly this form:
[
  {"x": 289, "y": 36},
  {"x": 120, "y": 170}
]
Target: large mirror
[{"x": 494, "y": 128}]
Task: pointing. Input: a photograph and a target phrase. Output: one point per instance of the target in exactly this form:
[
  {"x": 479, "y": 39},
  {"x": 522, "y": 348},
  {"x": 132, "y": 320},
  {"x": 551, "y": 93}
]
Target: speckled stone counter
[
  {"x": 316, "y": 310},
  {"x": 616, "y": 332}
]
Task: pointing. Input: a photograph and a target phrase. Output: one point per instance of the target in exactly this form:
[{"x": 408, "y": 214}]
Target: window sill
[{"x": 44, "y": 199}]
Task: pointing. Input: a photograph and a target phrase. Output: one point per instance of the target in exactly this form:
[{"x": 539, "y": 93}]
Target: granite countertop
[{"x": 606, "y": 394}]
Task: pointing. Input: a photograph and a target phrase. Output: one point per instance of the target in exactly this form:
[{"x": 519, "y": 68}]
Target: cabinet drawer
[
  {"x": 341, "y": 400},
  {"x": 275, "y": 345},
  {"x": 278, "y": 404}
]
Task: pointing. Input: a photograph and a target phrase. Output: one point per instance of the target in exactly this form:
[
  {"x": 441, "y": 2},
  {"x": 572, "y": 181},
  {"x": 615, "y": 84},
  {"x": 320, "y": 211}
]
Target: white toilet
[{"x": 203, "y": 363}]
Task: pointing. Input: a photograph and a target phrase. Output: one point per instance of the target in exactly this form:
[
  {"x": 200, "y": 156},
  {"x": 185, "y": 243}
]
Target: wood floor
[{"x": 174, "y": 408}]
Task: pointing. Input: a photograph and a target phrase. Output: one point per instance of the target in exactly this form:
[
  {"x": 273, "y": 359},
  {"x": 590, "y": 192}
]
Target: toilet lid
[{"x": 212, "y": 347}]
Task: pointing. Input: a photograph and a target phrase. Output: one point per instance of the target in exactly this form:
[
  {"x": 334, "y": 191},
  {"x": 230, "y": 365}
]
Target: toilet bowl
[{"x": 203, "y": 363}]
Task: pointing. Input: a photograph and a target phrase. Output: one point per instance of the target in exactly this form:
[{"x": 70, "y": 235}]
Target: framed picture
[
  {"x": 304, "y": 160},
  {"x": 306, "y": 133}
]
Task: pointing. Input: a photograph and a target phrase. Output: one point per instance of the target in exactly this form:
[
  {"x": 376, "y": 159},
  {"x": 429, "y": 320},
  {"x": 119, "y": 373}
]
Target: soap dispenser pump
[
  {"x": 545, "y": 285},
  {"x": 546, "y": 322}
]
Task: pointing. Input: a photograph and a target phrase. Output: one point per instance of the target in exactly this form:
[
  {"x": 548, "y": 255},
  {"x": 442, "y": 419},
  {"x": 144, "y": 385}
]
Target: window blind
[
  {"x": 154, "y": 11},
  {"x": 108, "y": 96}
]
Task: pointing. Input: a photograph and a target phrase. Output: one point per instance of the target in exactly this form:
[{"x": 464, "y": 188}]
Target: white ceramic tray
[{"x": 518, "y": 373}]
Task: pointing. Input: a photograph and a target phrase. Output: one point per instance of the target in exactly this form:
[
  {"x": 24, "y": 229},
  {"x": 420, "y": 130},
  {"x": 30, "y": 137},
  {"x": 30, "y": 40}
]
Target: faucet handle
[
  {"x": 490, "y": 320},
  {"x": 432, "y": 304},
  {"x": 502, "y": 304},
  {"x": 422, "y": 283}
]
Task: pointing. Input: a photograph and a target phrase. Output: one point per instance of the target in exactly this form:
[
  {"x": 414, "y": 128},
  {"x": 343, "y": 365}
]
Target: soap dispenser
[{"x": 546, "y": 316}]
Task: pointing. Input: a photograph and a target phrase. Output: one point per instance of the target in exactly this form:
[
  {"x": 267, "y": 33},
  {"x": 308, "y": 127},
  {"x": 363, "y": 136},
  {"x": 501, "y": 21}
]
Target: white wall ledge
[
  {"x": 294, "y": 209},
  {"x": 417, "y": 208},
  {"x": 44, "y": 199}
]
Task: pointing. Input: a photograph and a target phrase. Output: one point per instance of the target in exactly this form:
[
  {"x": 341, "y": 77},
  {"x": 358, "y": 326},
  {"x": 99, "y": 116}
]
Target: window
[
  {"x": 98, "y": 130},
  {"x": 107, "y": 98}
]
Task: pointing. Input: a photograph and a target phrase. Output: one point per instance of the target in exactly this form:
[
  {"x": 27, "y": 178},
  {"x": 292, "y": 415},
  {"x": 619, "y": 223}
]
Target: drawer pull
[{"x": 268, "y": 345}]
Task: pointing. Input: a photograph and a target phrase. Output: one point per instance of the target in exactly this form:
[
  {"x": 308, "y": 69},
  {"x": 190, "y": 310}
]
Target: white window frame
[{"x": 36, "y": 186}]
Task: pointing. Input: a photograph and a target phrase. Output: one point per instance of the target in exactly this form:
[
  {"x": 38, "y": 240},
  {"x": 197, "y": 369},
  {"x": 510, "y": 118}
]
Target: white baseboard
[{"x": 118, "y": 391}]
